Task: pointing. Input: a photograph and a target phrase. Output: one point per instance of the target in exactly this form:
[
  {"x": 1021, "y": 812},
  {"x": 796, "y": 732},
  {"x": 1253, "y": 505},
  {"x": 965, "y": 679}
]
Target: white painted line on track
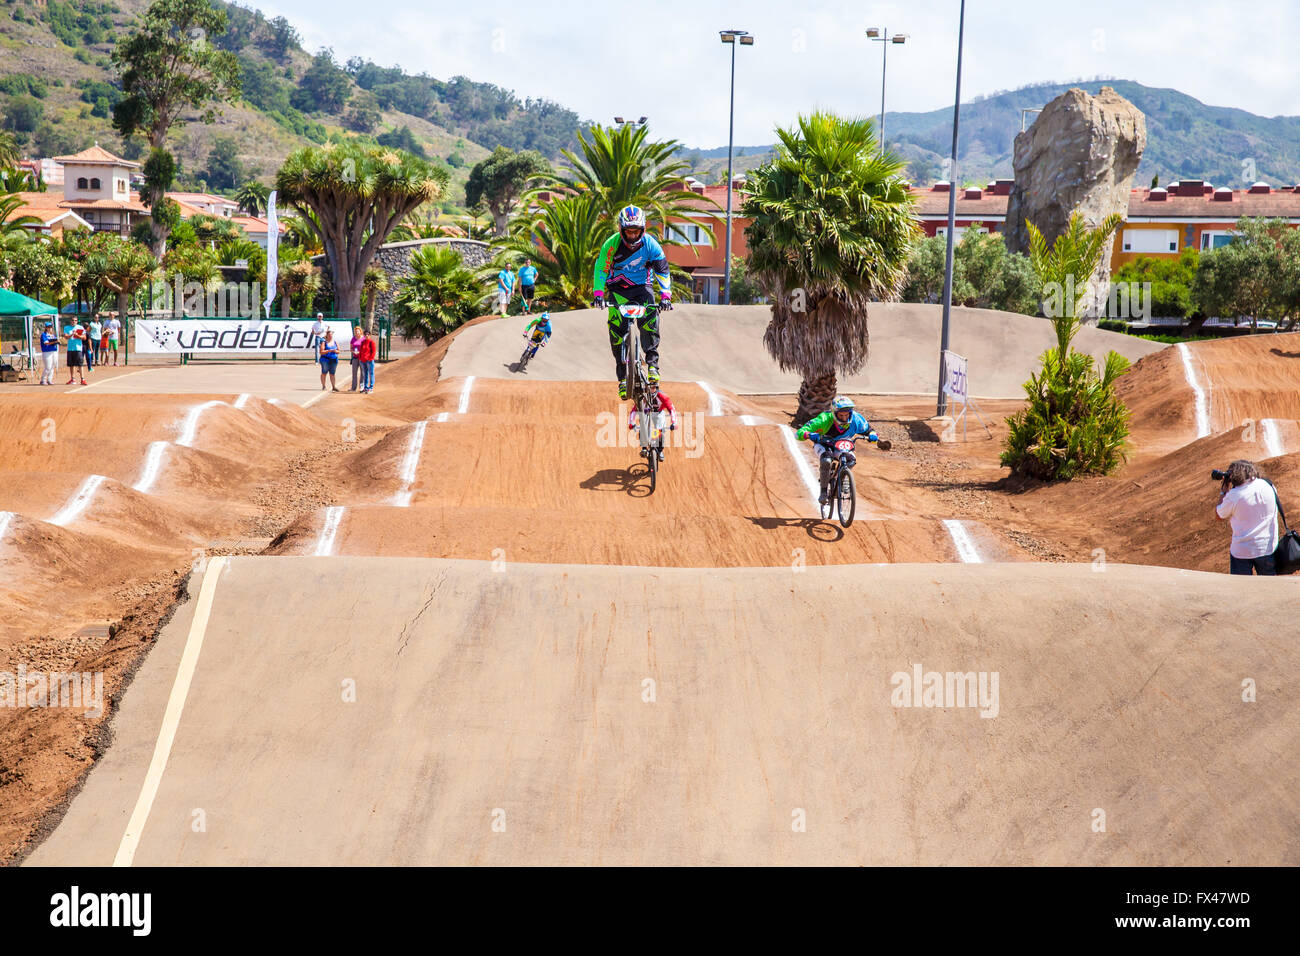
[
  {"x": 410, "y": 462},
  {"x": 242, "y": 400},
  {"x": 801, "y": 464},
  {"x": 443, "y": 416},
  {"x": 6, "y": 518},
  {"x": 325, "y": 543},
  {"x": 312, "y": 401},
  {"x": 172, "y": 715},
  {"x": 961, "y": 538},
  {"x": 1202, "y": 400},
  {"x": 754, "y": 420},
  {"x": 189, "y": 427},
  {"x": 715, "y": 400},
  {"x": 1273, "y": 443},
  {"x": 115, "y": 378},
  {"x": 464, "y": 396},
  {"x": 152, "y": 466},
  {"x": 79, "y": 501}
]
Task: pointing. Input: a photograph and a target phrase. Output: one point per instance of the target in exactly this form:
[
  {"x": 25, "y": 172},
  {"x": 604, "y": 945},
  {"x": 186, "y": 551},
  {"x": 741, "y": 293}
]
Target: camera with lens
[{"x": 1218, "y": 475}]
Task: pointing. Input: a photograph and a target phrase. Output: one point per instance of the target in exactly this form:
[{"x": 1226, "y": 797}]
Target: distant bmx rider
[
  {"x": 841, "y": 422},
  {"x": 624, "y": 266},
  {"x": 539, "y": 330},
  {"x": 663, "y": 406}
]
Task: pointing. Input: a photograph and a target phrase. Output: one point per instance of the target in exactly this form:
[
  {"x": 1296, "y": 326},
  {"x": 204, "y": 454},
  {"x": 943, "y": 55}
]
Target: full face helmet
[
  {"x": 631, "y": 223},
  {"x": 842, "y": 408}
]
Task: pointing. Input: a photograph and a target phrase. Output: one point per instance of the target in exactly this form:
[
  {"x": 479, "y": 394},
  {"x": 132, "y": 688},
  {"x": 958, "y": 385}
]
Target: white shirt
[
  {"x": 1252, "y": 510},
  {"x": 318, "y": 328}
]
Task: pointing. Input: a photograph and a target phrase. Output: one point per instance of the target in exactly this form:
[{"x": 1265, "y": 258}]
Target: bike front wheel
[
  {"x": 828, "y": 506},
  {"x": 846, "y": 496},
  {"x": 523, "y": 359}
]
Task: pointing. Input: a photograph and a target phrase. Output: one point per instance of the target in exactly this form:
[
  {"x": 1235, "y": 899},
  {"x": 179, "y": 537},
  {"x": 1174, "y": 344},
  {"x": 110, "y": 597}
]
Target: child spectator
[{"x": 368, "y": 350}]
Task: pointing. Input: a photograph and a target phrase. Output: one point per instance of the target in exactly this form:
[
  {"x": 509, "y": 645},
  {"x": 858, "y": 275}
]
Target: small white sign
[{"x": 954, "y": 375}]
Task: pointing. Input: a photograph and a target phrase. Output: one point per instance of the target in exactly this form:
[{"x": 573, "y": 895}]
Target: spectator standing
[
  {"x": 527, "y": 284},
  {"x": 358, "y": 336},
  {"x": 75, "y": 336},
  {"x": 368, "y": 349},
  {"x": 329, "y": 360},
  {"x": 317, "y": 335},
  {"x": 1249, "y": 503},
  {"x": 112, "y": 332},
  {"x": 505, "y": 289},
  {"x": 94, "y": 340},
  {"x": 49, "y": 353}
]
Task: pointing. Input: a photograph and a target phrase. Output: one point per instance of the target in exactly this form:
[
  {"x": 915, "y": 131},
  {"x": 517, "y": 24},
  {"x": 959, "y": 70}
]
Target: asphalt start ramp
[{"x": 378, "y": 711}]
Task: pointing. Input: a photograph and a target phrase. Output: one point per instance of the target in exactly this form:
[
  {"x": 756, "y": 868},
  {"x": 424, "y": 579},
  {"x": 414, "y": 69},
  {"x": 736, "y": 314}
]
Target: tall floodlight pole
[
  {"x": 730, "y": 36},
  {"x": 952, "y": 218},
  {"x": 881, "y": 35}
]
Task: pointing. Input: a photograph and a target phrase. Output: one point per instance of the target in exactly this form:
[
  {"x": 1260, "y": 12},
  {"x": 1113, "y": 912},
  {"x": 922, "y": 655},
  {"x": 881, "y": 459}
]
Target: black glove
[{"x": 665, "y": 305}]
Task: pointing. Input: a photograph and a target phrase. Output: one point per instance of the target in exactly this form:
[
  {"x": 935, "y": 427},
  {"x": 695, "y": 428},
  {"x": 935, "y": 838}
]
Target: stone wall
[{"x": 395, "y": 259}]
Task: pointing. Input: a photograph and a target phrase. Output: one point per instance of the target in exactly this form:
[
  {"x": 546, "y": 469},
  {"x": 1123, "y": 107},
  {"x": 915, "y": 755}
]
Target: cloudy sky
[{"x": 663, "y": 59}]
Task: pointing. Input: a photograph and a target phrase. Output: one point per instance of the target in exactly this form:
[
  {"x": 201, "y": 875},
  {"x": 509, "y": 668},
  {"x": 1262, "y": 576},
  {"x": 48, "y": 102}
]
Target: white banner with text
[{"x": 211, "y": 336}]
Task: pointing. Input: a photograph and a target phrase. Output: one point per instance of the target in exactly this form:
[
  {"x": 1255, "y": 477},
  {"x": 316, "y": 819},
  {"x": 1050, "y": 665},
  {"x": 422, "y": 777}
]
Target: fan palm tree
[
  {"x": 438, "y": 295},
  {"x": 563, "y": 238},
  {"x": 832, "y": 230},
  {"x": 252, "y": 197},
  {"x": 619, "y": 167},
  {"x": 376, "y": 282}
]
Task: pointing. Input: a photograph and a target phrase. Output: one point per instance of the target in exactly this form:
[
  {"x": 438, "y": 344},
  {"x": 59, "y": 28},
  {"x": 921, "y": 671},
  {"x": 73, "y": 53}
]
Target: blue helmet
[
  {"x": 631, "y": 217},
  {"x": 840, "y": 406}
]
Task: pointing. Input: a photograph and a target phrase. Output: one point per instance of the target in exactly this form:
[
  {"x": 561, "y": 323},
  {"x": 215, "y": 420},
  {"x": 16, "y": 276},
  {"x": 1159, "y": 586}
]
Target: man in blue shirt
[
  {"x": 76, "y": 337},
  {"x": 49, "y": 353},
  {"x": 527, "y": 284},
  {"x": 505, "y": 289}
]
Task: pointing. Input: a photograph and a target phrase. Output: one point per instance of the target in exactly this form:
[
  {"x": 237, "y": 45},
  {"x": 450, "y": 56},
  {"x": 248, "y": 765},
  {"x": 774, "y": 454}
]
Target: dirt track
[{"x": 526, "y": 474}]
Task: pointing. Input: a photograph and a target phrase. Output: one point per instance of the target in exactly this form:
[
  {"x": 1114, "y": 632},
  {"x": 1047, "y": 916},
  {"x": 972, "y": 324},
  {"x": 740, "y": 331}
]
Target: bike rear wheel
[{"x": 846, "y": 496}]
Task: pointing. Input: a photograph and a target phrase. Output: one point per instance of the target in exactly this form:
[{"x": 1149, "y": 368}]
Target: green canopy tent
[{"x": 17, "y": 304}]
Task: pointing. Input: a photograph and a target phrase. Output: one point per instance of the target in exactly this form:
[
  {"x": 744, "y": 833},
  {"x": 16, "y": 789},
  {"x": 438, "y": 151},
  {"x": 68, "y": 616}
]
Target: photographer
[{"x": 1250, "y": 504}]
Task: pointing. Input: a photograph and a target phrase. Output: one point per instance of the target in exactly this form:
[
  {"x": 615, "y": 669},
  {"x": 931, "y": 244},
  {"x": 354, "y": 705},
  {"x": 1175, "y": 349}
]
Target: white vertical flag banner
[{"x": 272, "y": 251}]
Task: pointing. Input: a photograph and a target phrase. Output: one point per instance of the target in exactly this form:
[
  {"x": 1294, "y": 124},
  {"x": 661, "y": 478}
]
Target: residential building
[
  {"x": 258, "y": 229},
  {"x": 694, "y": 252},
  {"x": 207, "y": 203},
  {"x": 97, "y": 187},
  {"x": 47, "y": 207}
]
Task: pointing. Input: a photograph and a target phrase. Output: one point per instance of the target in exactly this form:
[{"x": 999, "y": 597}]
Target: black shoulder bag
[{"x": 1287, "y": 555}]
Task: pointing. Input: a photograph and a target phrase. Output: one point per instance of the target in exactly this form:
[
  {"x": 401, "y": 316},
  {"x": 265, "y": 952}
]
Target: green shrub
[{"x": 1075, "y": 423}]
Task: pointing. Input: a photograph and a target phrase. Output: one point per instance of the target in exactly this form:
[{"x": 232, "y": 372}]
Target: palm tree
[
  {"x": 376, "y": 282},
  {"x": 1065, "y": 270},
  {"x": 9, "y": 204},
  {"x": 832, "y": 230},
  {"x": 10, "y": 154},
  {"x": 297, "y": 277},
  {"x": 252, "y": 197},
  {"x": 438, "y": 295},
  {"x": 130, "y": 266},
  {"x": 620, "y": 168},
  {"x": 215, "y": 230},
  {"x": 299, "y": 232},
  {"x": 563, "y": 239}
]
